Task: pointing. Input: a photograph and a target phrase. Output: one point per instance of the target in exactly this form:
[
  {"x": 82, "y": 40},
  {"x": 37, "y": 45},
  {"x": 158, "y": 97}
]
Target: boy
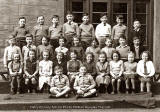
[
  {"x": 118, "y": 30},
  {"x": 137, "y": 31},
  {"x": 123, "y": 48},
  {"x": 10, "y": 51},
  {"x": 40, "y": 30},
  {"x": 86, "y": 30},
  {"x": 59, "y": 84},
  {"x": 28, "y": 47},
  {"x": 103, "y": 30},
  {"x": 137, "y": 48},
  {"x": 84, "y": 84},
  {"x": 70, "y": 28},
  {"x": 55, "y": 31},
  {"x": 20, "y": 32}
]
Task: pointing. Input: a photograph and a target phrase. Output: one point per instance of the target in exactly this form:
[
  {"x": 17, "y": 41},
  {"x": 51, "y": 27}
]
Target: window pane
[
  {"x": 140, "y": 8},
  {"x": 119, "y": 7},
  {"x": 99, "y": 7},
  {"x": 141, "y": 18},
  {"x": 77, "y": 6},
  {"x": 78, "y": 17}
]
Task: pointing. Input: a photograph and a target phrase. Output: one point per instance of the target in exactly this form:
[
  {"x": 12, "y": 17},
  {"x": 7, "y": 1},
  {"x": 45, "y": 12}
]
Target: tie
[
  {"x": 104, "y": 24},
  {"x": 55, "y": 26},
  {"x": 59, "y": 79},
  {"x": 69, "y": 22},
  {"x": 145, "y": 69}
]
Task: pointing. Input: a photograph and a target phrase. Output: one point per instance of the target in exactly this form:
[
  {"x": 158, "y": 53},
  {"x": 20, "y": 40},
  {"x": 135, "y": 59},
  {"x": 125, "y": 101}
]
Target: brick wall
[{"x": 11, "y": 10}]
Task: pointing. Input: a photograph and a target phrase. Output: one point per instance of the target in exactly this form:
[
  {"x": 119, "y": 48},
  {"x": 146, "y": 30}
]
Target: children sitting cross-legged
[
  {"x": 59, "y": 84},
  {"x": 31, "y": 72},
  {"x": 84, "y": 84}
]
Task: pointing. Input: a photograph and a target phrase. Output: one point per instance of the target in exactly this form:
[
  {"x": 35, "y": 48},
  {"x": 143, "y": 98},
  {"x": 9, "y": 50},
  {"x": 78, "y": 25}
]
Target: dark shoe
[
  {"x": 52, "y": 96},
  {"x": 113, "y": 93},
  {"x": 79, "y": 96}
]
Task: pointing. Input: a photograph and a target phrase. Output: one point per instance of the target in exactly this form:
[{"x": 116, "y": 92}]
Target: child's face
[
  {"x": 61, "y": 42},
  {"x": 40, "y": 20},
  {"x": 69, "y": 17},
  {"x": 45, "y": 55},
  {"x": 104, "y": 19},
  {"x": 145, "y": 57},
  {"x": 73, "y": 56},
  {"x": 59, "y": 72},
  {"x": 59, "y": 56},
  {"x": 22, "y": 22},
  {"x": 94, "y": 43},
  {"x": 55, "y": 20},
  {"x": 136, "y": 24},
  {"x": 119, "y": 21},
  {"x": 85, "y": 19},
  {"x": 89, "y": 57},
  {"x": 136, "y": 42},
  {"x": 130, "y": 57},
  {"x": 44, "y": 41},
  {"x": 32, "y": 55},
  {"x": 115, "y": 57},
  {"x": 16, "y": 57},
  {"x": 12, "y": 41},
  {"x": 122, "y": 41},
  {"x": 108, "y": 43},
  {"x": 29, "y": 40},
  {"x": 102, "y": 57},
  {"x": 83, "y": 70},
  {"x": 75, "y": 41}
]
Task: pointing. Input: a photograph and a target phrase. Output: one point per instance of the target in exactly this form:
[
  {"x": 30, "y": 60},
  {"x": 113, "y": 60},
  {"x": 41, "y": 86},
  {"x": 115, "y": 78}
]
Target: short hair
[
  {"x": 47, "y": 38},
  {"x": 108, "y": 39},
  {"x": 55, "y": 16},
  {"x": 147, "y": 52},
  {"x": 40, "y": 16},
  {"x": 115, "y": 51},
  {"x": 131, "y": 52},
  {"x": 29, "y": 35},
  {"x": 95, "y": 39},
  {"x": 32, "y": 50},
  {"x": 90, "y": 54},
  {"x": 60, "y": 53},
  {"x": 62, "y": 38},
  {"x": 16, "y": 54},
  {"x": 122, "y": 37},
  {"x": 11, "y": 36},
  {"x": 82, "y": 66},
  {"x": 74, "y": 51},
  {"x": 135, "y": 38},
  {"x": 103, "y": 14},
  {"x": 100, "y": 53},
  {"x": 85, "y": 14},
  {"x": 69, "y": 13},
  {"x": 119, "y": 17},
  {"x": 22, "y": 18},
  {"x": 57, "y": 68},
  {"x": 136, "y": 20}
]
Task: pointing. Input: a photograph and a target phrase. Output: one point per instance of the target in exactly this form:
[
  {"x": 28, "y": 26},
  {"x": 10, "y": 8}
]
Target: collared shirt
[
  {"x": 60, "y": 81},
  {"x": 102, "y": 68},
  {"x": 83, "y": 81},
  {"x": 40, "y": 30},
  {"x": 123, "y": 50},
  {"x": 116, "y": 67},
  {"x": 150, "y": 68},
  {"x": 64, "y": 50},
  {"x": 45, "y": 68},
  {"x": 130, "y": 67},
  {"x": 118, "y": 30},
  {"x": 86, "y": 30},
  {"x": 25, "y": 50},
  {"x": 70, "y": 29},
  {"x": 103, "y": 31},
  {"x": 55, "y": 32},
  {"x": 20, "y": 31},
  {"x": 108, "y": 51}
]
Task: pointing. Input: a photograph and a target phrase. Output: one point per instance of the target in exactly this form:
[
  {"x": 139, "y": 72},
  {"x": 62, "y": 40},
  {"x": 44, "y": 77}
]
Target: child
[
  {"x": 73, "y": 66},
  {"x": 94, "y": 49},
  {"x": 20, "y": 32},
  {"x": 78, "y": 48},
  {"x": 70, "y": 28},
  {"x": 146, "y": 71},
  {"x": 84, "y": 84},
  {"x": 90, "y": 64},
  {"x": 86, "y": 30},
  {"x": 103, "y": 78},
  {"x": 130, "y": 72},
  {"x": 137, "y": 31},
  {"x": 15, "y": 71},
  {"x": 118, "y": 30},
  {"x": 61, "y": 61},
  {"x": 59, "y": 84},
  {"x": 55, "y": 31},
  {"x": 103, "y": 30},
  {"x": 29, "y": 46},
  {"x": 116, "y": 70},
  {"x": 137, "y": 48},
  {"x": 40, "y": 30},
  {"x": 123, "y": 48},
  {"x": 45, "y": 46},
  {"x": 31, "y": 71},
  {"x": 45, "y": 70},
  {"x": 10, "y": 51},
  {"x": 62, "y": 47},
  {"x": 108, "y": 49}
]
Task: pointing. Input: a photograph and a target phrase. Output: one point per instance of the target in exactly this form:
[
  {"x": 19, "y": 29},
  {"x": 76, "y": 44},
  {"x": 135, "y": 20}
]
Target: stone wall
[{"x": 11, "y": 10}]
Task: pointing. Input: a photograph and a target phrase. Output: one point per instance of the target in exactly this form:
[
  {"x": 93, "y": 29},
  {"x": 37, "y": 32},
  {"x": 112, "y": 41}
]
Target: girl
[
  {"x": 73, "y": 66},
  {"x": 45, "y": 70},
  {"x": 130, "y": 72},
  {"x": 94, "y": 49},
  {"x": 146, "y": 70},
  {"x": 31, "y": 71},
  {"x": 116, "y": 70},
  {"x": 102, "y": 67},
  {"x": 77, "y": 47},
  {"x": 15, "y": 71},
  {"x": 90, "y": 64}
]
